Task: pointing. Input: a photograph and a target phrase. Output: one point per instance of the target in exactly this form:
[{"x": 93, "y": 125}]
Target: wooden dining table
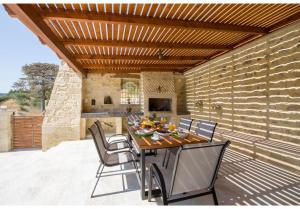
[{"x": 143, "y": 143}]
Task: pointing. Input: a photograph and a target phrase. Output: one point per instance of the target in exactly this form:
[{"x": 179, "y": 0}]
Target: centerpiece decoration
[{"x": 152, "y": 125}]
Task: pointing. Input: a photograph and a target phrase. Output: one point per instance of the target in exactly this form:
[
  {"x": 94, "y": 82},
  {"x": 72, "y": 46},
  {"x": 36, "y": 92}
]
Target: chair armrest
[
  {"x": 156, "y": 173},
  {"x": 119, "y": 141},
  {"x": 117, "y": 135},
  {"x": 126, "y": 151}
]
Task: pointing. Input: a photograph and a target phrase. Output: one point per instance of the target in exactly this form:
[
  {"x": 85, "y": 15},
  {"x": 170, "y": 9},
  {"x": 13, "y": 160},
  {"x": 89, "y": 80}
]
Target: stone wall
[
  {"x": 180, "y": 90},
  {"x": 254, "y": 91},
  {"x": 97, "y": 86},
  {"x": 151, "y": 81},
  {"x": 5, "y": 131},
  {"x": 63, "y": 112}
]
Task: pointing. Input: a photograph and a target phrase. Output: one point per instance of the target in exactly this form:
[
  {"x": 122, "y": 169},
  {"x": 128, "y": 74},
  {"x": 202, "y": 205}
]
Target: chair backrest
[
  {"x": 185, "y": 123},
  {"x": 97, "y": 138},
  {"x": 196, "y": 167},
  {"x": 103, "y": 137},
  {"x": 206, "y": 129}
]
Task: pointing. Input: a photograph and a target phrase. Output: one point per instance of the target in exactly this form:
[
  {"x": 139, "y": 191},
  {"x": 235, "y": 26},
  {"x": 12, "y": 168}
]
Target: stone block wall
[
  {"x": 5, "y": 131},
  {"x": 253, "y": 90},
  {"x": 151, "y": 81},
  {"x": 180, "y": 90},
  {"x": 63, "y": 112},
  {"x": 97, "y": 86}
]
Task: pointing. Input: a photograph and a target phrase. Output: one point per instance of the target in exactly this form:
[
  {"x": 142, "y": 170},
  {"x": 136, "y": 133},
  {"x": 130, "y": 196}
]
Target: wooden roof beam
[
  {"x": 133, "y": 57},
  {"x": 289, "y": 20},
  {"x": 175, "y": 66},
  {"x": 131, "y": 44},
  {"x": 29, "y": 17},
  {"x": 148, "y": 21},
  {"x": 126, "y": 70}
]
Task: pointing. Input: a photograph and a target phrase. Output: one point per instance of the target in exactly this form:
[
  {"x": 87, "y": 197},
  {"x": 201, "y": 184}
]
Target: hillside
[{"x": 13, "y": 106}]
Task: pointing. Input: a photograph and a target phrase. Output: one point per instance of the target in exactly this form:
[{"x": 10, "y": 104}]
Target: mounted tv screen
[{"x": 160, "y": 104}]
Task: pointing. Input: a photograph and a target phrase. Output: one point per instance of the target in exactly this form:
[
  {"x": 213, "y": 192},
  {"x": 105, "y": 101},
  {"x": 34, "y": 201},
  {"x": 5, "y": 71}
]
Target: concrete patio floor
[{"x": 66, "y": 175}]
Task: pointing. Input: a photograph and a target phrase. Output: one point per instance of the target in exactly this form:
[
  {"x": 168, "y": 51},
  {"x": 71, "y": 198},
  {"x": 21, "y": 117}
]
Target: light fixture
[{"x": 160, "y": 54}]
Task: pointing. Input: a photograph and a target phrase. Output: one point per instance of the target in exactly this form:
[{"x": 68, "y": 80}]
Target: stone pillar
[
  {"x": 5, "y": 131},
  {"x": 63, "y": 112},
  {"x": 118, "y": 125}
]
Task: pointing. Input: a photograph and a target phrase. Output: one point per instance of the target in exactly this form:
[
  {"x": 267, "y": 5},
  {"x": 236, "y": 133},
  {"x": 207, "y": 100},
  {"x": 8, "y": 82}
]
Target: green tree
[
  {"x": 38, "y": 81},
  {"x": 20, "y": 85}
]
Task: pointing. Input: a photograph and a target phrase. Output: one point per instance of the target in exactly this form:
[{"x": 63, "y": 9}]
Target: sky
[{"x": 18, "y": 46}]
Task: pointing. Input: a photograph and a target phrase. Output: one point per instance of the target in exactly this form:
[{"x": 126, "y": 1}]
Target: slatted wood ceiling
[{"x": 127, "y": 37}]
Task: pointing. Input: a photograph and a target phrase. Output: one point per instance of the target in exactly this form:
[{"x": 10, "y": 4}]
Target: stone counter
[
  {"x": 107, "y": 114},
  {"x": 112, "y": 121}
]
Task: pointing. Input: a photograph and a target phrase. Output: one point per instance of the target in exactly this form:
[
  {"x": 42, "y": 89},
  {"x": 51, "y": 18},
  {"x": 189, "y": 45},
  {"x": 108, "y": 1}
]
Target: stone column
[
  {"x": 5, "y": 131},
  {"x": 63, "y": 112}
]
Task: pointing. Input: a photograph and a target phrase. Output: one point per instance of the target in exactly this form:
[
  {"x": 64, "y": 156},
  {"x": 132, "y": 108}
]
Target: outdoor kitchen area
[
  {"x": 162, "y": 93},
  {"x": 161, "y": 104}
]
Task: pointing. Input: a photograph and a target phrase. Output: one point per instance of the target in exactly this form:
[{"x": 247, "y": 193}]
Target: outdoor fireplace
[{"x": 160, "y": 104}]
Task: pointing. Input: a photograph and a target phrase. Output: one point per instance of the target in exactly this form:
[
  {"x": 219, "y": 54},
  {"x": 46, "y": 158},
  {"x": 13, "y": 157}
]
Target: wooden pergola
[{"x": 130, "y": 38}]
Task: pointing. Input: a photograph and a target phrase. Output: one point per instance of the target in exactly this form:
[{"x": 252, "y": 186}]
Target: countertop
[{"x": 108, "y": 114}]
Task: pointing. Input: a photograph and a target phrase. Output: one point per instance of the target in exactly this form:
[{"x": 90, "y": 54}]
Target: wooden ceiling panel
[{"x": 122, "y": 35}]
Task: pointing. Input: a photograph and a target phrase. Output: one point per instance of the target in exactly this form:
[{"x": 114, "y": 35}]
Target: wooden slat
[
  {"x": 89, "y": 42},
  {"x": 138, "y": 65},
  {"x": 31, "y": 18},
  {"x": 286, "y": 21},
  {"x": 182, "y": 30},
  {"x": 145, "y": 21},
  {"x": 27, "y": 132},
  {"x": 128, "y": 70},
  {"x": 131, "y": 57}
]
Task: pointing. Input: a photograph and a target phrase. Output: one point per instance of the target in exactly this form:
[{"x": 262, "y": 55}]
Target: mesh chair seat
[
  {"x": 184, "y": 125},
  {"x": 118, "y": 145},
  {"x": 114, "y": 144},
  {"x": 109, "y": 158},
  {"x": 194, "y": 174},
  {"x": 118, "y": 158},
  {"x": 204, "y": 129}
]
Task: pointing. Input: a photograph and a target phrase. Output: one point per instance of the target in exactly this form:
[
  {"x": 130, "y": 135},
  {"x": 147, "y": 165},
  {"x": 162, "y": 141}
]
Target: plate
[
  {"x": 144, "y": 132},
  {"x": 155, "y": 139},
  {"x": 163, "y": 134}
]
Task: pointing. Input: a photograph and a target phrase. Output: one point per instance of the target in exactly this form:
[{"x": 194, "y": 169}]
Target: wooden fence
[{"x": 27, "y": 132}]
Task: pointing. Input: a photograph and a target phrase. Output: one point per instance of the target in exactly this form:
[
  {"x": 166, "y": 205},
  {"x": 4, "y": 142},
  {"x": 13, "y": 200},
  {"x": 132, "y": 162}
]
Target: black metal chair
[
  {"x": 194, "y": 173},
  {"x": 185, "y": 125},
  {"x": 113, "y": 145},
  {"x": 206, "y": 129},
  {"x": 109, "y": 159}
]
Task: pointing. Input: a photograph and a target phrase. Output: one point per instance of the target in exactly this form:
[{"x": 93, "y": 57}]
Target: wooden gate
[{"x": 27, "y": 132}]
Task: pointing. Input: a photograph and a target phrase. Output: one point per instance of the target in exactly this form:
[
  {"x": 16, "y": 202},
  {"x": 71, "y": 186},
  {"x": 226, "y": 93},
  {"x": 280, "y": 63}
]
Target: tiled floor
[{"x": 66, "y": 175}]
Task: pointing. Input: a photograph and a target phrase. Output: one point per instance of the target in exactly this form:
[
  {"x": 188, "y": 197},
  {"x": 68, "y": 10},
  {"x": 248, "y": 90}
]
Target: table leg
[{"x": 143, "y": 172}]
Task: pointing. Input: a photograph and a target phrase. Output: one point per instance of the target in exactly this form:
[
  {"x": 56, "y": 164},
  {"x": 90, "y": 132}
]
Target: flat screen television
[{"x": 160, "y": 104}]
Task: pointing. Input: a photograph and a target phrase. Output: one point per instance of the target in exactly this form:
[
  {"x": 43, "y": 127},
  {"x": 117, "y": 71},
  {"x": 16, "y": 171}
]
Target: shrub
[{"x": 4, "y": 98}]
